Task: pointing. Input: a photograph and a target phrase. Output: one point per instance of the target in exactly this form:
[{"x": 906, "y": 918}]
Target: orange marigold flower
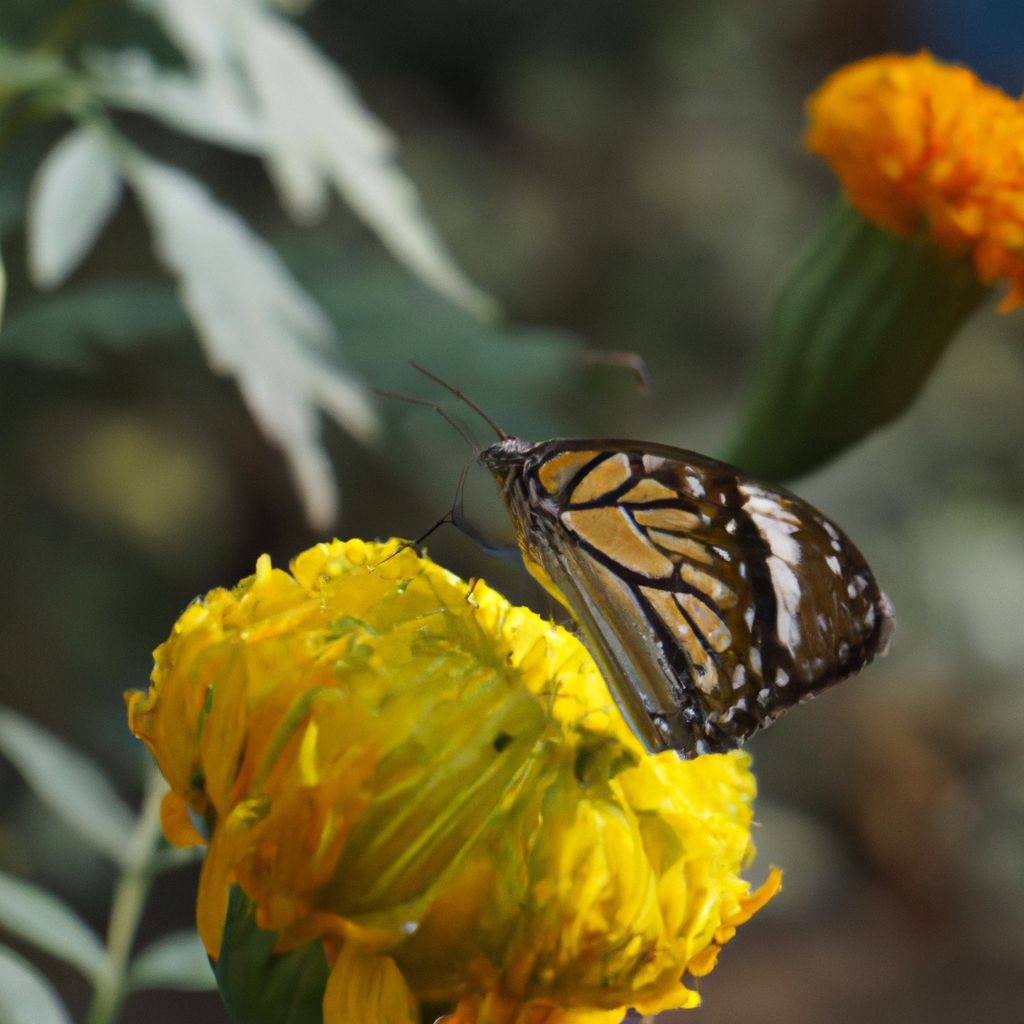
[
  {"x": 435, "y": 786},
  {"x": 920, "y": 146}
]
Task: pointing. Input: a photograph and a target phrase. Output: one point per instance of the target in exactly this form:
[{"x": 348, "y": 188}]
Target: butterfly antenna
[
  {"x": 456, "y": 515},
  {"x": 459, "y": 505},
  {"x": 438, "y": 408},
  {"x": 413, "y": 544},
  {"x": 462, "y": 398}
]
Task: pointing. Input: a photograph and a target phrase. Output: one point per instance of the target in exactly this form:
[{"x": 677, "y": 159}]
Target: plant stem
[{"x": 129, "y": 901}]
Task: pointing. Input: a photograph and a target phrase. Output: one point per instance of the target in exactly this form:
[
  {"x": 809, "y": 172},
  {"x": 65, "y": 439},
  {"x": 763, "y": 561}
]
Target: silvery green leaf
[
  {"x": 176, "y": 961},
  {"x": 321, "y": 133},
  {"x": 75, "y": 191},
  {"x": 43, "y": 920},
  {"x": 257, "y": 324},
  {"x": 318, "y": 133},
  {"x": 26, "y": 997},
  {"x": 210, "y": 107},
  {"x": 201, "y": 29},
  {"x": 68, "y": 783}
]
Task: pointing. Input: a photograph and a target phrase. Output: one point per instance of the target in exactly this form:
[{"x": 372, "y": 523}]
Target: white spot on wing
[
  {"x": 694, "y": 486},
  {"x": 739, "y": 677},
  {"x": 777, "y": 525},
  {"x": 787, "y": 598}
]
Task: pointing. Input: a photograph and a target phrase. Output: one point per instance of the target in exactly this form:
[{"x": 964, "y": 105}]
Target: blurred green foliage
[{"x": 629, "y": 177}]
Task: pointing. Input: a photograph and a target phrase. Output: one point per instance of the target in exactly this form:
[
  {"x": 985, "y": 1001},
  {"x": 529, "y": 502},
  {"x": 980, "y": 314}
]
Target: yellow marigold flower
[
  {"x": 920, "y": 146},
  {"x": 436, "y": 786}
]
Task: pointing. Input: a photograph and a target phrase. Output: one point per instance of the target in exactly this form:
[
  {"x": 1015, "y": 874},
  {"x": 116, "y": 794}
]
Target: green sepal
[
  {"x": 857, "y": 330},
  {"x": 259, "y": 986}
]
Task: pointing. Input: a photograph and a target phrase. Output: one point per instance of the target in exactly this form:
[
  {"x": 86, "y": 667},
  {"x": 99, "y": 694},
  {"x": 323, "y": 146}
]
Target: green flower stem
[
  {"x": 857, "y": 330},
  {"x": 129, "y": 902}
]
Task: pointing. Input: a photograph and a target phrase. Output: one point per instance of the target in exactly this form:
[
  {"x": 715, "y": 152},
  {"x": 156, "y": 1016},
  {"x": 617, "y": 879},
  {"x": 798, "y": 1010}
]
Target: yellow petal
[
  {"x": 176, "y": 823},
  {"x": 438, "y": 788},
  {"x": 364, "y": 988}
]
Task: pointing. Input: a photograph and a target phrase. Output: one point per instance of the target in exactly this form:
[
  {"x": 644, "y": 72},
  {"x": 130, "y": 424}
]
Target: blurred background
[{"x": 620, "y": 177}]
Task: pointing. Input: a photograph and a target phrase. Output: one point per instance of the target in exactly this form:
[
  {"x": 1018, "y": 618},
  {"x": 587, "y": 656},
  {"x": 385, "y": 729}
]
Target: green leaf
[
  {"x": 45, "y": 921},
  {"x": 521, "y": 375},
  {"x": 256, "y": 323},
  {"x": 858, "y": 329},
  {"x": 207, "y": 106},
  {"x": 307, "y": 120},
  {"x": 175, "y": 961},
  {"x": 319, "y": 133},
  {"x": 260, "y": 987},
  {"x": 65, "y": 329},
  {"x": 68, "y": 783},
  {"x": 26, "y": 997},
  {"x": 75, "y": 192}
]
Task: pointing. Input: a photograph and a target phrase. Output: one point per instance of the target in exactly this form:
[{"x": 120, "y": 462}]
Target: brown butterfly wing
[{"x": 711, "y": 602}]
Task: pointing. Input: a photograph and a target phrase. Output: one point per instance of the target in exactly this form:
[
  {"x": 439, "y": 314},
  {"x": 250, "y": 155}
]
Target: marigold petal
[
  {"x": 498, "y": 1008},
  {"x": 437, "y": 787},
  {"x": 923, "y": 146},
  {"x": 751, "y": 904},
  {"x": 215, "y": 881},
  {"x": 367, "y": 988},
  {"x": 176, "y": 822}
]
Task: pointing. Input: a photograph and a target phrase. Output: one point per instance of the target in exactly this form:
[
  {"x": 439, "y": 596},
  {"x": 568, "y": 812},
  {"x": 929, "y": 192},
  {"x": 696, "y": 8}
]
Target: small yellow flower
[
  {"x": 920, "y": 146},
  {"x": 436, "y": 786}
]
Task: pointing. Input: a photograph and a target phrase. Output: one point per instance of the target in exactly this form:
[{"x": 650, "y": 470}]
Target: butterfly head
[
  {"x": 506, "y": 460},
  {"x": 505, "y": 455}
]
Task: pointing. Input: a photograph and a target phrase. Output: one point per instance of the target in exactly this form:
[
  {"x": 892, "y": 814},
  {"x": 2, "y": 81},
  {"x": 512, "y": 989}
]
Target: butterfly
[{"x": 711, "y": 603}]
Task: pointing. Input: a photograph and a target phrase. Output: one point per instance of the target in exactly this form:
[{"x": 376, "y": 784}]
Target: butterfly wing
[{"x": 711, "y": 602}]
